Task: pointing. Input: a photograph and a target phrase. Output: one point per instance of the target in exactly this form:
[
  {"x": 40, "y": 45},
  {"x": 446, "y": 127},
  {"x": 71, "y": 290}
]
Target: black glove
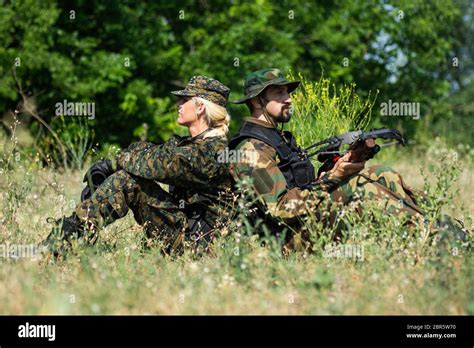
[{"x": 95, "y": 176}]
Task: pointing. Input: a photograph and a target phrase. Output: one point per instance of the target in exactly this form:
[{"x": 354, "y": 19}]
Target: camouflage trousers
[
  {"x": 378, "y": 182},
  {"x": 153, "y": 208}
]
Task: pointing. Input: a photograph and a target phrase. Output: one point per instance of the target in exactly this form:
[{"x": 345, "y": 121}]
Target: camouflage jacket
[
  {"x": 269, "y": 182},
  {"x": 188, "y": 164}
]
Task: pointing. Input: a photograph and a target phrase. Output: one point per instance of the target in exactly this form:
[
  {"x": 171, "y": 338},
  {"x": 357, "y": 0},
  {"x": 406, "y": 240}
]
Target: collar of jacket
[
  {"x": 200, "y": 135},
  {"x": 188, "y": 138},
  {"x": 259, "y": 122}
]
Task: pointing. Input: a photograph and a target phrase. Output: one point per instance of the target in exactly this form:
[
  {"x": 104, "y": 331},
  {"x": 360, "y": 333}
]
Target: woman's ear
[{"x": 200, "y": 109}]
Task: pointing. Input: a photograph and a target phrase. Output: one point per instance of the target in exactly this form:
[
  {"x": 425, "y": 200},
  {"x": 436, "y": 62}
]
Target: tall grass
[
  {"x": 321, "y": 110},
  {"x": 75, "y": 136}
]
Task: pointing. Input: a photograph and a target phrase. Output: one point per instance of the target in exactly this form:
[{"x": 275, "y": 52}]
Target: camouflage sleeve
[
  {"x": 169, "y": 163},
  {"x": 269, "y": 182},
  {"x": 139, "y": 146}
]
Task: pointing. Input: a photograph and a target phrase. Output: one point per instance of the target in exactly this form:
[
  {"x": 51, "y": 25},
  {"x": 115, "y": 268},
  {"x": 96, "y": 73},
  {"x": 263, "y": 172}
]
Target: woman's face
[{"x": 187, "y": 111}]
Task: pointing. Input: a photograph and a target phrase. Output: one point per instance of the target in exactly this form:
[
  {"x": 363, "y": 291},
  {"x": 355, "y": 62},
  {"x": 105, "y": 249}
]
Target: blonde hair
[{"x": 217, "y": 118}]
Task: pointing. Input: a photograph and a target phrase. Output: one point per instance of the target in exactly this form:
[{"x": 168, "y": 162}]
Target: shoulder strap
[{"x": 267, "y": 135}]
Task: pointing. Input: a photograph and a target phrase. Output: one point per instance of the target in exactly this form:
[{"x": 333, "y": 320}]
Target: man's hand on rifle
[
  {"x": 345, "y": 168},
  {"x": 352, "y": 162}
]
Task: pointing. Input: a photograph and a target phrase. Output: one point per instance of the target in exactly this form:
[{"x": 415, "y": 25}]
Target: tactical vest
[{"x": 297, "y": 169}]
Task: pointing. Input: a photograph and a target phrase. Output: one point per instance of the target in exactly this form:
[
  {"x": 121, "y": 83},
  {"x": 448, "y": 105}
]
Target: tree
[{"x": 127, "y": 56}]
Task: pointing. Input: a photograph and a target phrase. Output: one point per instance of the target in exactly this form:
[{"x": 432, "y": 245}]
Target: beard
[{"x": 284, "y": 115}]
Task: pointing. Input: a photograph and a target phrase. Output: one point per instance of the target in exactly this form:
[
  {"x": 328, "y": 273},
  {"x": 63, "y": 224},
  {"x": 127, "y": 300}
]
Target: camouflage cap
[
  {"x": 206, "y": 88},
  {"x": 257, "y": 81}
]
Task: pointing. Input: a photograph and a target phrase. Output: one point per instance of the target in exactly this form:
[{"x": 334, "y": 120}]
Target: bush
[{"x": 321, "y": 110}]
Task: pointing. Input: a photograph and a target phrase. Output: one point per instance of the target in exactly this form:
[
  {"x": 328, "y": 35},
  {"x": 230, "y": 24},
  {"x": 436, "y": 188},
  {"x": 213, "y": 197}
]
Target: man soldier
[
  {"x": 199, "y": 183},
  {"x": 285, "y": 181}
]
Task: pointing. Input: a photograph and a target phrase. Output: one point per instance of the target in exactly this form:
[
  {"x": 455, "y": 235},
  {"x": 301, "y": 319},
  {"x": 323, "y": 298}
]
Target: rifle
[{"x": 361, "y": 143}]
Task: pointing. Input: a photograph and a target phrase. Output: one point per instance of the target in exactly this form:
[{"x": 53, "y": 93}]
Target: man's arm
[{"x": 269, "y": 182}]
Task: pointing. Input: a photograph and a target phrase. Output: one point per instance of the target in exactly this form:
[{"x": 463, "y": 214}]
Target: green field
[{"x": 119, "y": 276}]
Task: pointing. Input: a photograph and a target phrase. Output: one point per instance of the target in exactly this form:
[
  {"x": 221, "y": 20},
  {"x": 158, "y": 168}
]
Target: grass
[{"x": 118, "y": 277}]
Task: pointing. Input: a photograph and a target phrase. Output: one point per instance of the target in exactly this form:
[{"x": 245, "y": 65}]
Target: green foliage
[
  {"x": 322, "y": 110},
  {"x": 127, "y": 57},
  {"x": 158, "y": 115},
  {"x": 445, "y": 172},
  {"x": 454, "y": 112}
]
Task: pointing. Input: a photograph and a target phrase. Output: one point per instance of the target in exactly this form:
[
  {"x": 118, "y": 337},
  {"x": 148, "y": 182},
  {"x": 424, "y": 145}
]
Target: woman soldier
[{"x": 198, "y": 184}]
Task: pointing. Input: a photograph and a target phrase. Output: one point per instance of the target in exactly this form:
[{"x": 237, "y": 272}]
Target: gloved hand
[{"x": 95, "y": 176}]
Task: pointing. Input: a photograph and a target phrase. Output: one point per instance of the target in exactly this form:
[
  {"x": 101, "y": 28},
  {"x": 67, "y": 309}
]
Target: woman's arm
[{"x": 170, "y": 162}]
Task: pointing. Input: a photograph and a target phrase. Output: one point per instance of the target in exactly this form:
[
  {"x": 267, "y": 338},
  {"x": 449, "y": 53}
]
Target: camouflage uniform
[
  {"x": 289, "y": 204},
  {"x": 199, "y": 184}
]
